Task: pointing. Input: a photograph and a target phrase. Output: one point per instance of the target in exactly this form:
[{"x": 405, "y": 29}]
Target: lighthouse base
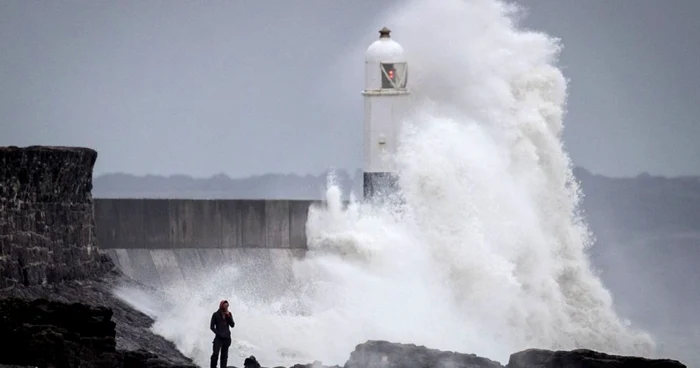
[{"x": 380, "y": 185}]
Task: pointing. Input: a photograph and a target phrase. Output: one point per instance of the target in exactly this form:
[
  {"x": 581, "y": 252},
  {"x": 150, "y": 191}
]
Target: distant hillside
[
  {"x": 269, "y": 186},
  {"x": 641, "y": 205},
  {"x": 648, "y": 246}
]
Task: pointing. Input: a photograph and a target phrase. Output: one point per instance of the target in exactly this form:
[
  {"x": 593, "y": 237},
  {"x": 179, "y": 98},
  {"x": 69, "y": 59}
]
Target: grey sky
[{"x": 204, "y": 88}]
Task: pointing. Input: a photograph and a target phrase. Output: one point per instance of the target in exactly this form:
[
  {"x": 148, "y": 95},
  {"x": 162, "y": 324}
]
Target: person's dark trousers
[{"x": 220, "y": 345}]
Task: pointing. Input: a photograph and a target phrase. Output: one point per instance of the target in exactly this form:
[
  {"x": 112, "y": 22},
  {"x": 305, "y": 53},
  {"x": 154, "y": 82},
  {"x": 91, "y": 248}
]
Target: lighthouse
[{"x": 386, "y": 102}]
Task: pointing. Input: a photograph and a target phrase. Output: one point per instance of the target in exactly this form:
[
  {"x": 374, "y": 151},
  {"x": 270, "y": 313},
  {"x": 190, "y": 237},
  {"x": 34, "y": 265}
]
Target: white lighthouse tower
[{"x": 386, "y": 102}]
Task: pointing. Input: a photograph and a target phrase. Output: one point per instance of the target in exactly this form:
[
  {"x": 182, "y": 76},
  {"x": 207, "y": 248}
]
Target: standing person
[{"x": 221, "y": 320}]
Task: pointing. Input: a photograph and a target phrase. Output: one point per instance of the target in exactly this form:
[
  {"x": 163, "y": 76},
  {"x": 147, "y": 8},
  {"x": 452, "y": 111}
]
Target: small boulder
[{"x": 393, "y": 355}]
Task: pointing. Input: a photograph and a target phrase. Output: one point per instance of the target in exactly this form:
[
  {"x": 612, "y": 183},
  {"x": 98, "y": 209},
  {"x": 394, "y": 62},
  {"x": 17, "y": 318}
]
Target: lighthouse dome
[{"x": 385, "y": 64}]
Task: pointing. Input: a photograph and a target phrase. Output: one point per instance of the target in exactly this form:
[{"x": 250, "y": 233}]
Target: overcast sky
[{"x": 243, "y": 87}]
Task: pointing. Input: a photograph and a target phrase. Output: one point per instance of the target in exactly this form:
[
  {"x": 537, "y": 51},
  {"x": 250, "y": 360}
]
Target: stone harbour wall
[{"x": 47, "y": 228}]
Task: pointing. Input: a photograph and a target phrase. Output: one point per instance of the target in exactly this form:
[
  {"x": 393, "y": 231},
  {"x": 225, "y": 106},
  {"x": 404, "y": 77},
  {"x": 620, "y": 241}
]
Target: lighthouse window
[{"x": 393, "y": 75}]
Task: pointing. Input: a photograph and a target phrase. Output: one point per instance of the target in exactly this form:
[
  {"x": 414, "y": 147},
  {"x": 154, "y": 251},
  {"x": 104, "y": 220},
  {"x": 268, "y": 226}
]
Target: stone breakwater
[{"x": 47, "y": 228}]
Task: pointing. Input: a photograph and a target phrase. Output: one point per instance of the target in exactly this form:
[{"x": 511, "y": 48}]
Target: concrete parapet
[{"x": 184, "y": 223}]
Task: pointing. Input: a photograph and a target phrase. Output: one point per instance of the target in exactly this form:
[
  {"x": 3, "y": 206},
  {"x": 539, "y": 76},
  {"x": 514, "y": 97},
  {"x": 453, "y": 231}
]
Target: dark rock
[
  {"x": 251, "y": 362},
  {"x": 47, "y": 228},
  {"x": 143, "y": 359},
  {"x": 315, "y": 364},
  {"x": 132, "y": 327},
  {"x": 42, "y": 333},
  {"x": 387, "y": 355},
  {"x": 538, "y": 358}
]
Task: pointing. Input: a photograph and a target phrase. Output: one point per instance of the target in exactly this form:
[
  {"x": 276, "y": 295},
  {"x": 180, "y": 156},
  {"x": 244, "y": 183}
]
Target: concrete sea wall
[
  {"x": 164, "y": 241},
  {"x": 185, "y": 223}
]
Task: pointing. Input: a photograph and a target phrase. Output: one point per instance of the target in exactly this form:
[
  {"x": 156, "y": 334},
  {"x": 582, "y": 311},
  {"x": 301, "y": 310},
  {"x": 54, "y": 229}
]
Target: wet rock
[
  {"x": 144, "y": 359},
  {"x": 132, "y": 327},
  {"x": 250, "y": 364},
  {"x": 538, "y": 358},
  {"x": 392, "y": 355},
  {"x": 384, "y": 354},
  {"x": 316, "y": 364},
  {"x": 43, "y": 333}
]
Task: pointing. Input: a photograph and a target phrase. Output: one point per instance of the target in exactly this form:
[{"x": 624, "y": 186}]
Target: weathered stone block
[{"x": 47, "y": 231}]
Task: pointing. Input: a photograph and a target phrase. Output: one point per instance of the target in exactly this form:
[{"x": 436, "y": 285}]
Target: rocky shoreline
[
  {"x": 82, "y": 324},
  {"x": 48, "y": 333}
]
